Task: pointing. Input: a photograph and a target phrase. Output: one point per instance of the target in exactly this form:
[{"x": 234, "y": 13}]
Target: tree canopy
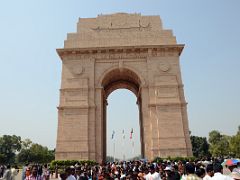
[
  {"x": 218, "y": 145},
  {"x": 200, "y": 146},
  {"x": 15, "y": 150},
  {"x": 9, "y": 145}
]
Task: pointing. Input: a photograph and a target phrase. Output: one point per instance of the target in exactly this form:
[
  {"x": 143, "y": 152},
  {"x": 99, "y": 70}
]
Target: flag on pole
[
  {"x": 131, "y": 133},
  {"x": 123, "y": 134},
  {"x": 113, "y": 133}
]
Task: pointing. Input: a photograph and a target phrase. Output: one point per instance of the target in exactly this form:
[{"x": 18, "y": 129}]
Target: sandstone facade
[{"x": 121, "y": 51}]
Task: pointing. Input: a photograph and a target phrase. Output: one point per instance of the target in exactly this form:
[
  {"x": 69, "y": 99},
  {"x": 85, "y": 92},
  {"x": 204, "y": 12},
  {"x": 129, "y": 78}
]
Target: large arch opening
[
  {"x": 123, "y": 128},
  {"x": 114, "y": 80}
]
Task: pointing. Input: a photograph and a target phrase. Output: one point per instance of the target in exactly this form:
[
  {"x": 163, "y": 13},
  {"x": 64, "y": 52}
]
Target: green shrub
[
  {"x": 176, "y": 159},
  {"x": 62, "y": 164}
]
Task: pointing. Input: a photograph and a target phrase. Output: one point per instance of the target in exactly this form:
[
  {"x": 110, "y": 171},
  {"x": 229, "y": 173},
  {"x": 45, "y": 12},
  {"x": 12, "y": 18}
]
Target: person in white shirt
[
  {"x": 218, "y": 170},
  {"x": 69, "y": 172},
  {"x": 152, "y": 175},
  {"x": 209, "y": 173}
]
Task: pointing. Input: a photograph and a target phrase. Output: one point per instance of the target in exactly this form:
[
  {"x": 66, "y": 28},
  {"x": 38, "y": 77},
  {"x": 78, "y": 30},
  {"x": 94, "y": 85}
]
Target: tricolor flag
[
  {"x": 131, "y": 133},
  {"x": 113, "y": 133}
]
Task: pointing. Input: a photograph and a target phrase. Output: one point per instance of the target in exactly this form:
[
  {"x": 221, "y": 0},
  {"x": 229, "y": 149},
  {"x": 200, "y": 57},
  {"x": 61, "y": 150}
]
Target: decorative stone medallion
[
  {"x": 78, "y": 70},
  {"x": 164, "y": 67}
]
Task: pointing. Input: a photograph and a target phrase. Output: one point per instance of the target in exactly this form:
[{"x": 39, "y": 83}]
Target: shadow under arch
[{"x": 121, "y": 78}]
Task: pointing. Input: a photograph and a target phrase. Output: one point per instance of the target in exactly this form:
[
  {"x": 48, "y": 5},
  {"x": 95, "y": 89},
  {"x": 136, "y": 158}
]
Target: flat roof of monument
[{"x": 120, "y": 29}]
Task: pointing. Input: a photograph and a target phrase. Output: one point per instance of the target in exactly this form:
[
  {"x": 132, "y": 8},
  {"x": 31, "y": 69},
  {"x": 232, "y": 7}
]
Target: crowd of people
[
  {"x": 142, "y": 170},
  {"x": 8, "y": 172},
  {"x": 29, "y": 172},
  {"x": 131, "y": 170}
]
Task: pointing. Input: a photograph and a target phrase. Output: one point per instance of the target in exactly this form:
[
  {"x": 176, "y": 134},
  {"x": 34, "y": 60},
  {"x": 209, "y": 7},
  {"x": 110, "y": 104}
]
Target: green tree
[
  {"x": 40, "y": 154},
  {"x": 238, "y": 132},
  {"x": 219, "y": 144},
  {"x": 24, "y": 155},
  {"x": 35, "y": 153},
  {"x": 9, "y": 145},
  {"x": 200, "y": 146},
  {"x": 26, "y": 143},
  {"x": 235, "y": 144}
]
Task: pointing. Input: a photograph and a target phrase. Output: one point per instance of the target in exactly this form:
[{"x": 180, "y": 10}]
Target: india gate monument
[{"x": 121, "y": 51}]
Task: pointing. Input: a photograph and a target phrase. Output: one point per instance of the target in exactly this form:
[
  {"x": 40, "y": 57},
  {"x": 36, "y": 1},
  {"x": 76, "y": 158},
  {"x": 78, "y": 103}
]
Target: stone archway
[
  {"x": 122, "y": 78},
  {"x": 121, "y": 51}
]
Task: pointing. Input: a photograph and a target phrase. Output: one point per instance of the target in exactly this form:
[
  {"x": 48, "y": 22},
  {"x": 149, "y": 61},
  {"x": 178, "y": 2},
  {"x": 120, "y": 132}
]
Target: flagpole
[
  {"x": 131, "y": 138},
  {"x": 123, "y": 148},
  {"x": 132, "y": 146},
  {"x": 123, "y": 138},
  {"x": 114, "y": 150},
  {"x": 113, "y": 145}
]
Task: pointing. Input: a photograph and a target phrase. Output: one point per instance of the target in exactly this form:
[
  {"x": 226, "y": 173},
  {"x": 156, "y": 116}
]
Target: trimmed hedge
[
  {"x": 62, "y": 164},
  {"x": 159, "y": 159}
]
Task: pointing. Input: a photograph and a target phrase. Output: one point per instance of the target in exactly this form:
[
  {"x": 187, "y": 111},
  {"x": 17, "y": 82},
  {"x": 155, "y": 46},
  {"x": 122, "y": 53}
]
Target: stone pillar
[
  {"x": 99, "y": 124},
  {"x": 145, "y": 130},
  {"x": 73, "y": 140}
]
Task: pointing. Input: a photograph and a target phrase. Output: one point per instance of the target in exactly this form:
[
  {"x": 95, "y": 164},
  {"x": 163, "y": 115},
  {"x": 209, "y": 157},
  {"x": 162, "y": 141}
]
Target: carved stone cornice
[
  {"x": 73, "y": 89},
  {"x": 181, "y": 104},
  {"x": 75, "y": 107},
  {"x": 122, "y": 52},
  {"x": 166, "y": 85}
]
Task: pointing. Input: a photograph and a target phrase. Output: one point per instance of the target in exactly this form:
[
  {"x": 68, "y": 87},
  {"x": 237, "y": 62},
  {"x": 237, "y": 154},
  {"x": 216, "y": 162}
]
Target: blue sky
[{"x": 31, "y": 30}]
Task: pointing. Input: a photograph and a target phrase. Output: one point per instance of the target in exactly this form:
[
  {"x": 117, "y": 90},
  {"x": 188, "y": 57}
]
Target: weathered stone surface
[{"x": 121, "y": 51}]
